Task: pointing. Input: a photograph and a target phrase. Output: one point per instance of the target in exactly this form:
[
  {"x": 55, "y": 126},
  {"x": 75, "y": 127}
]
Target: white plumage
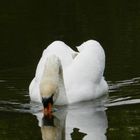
[{"x": 78, "y": 76}]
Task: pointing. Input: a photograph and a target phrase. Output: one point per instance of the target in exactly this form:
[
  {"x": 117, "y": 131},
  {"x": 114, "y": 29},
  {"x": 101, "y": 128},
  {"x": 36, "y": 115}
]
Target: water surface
[{"x": 116, "y": 116}]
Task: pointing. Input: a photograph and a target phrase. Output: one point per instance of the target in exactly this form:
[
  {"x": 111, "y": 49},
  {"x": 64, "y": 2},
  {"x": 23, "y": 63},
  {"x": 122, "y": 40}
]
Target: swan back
[{"x": 85, "y": 74}]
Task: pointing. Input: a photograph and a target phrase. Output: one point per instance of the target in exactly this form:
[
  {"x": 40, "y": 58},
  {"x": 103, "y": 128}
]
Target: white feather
[{"x": 82, "y": 73}]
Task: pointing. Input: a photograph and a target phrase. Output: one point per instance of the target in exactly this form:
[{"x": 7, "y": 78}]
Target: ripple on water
[
  {"x": 120, "y": 93},
  {"x": 124, "y": 92},
  {"x": 14, "y": 106}
]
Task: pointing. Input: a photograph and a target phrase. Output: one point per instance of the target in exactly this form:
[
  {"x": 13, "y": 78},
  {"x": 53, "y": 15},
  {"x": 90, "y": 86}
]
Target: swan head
[
  {"x": 50, "y": 82},
  {"x": 47, "y": 104},
  {"x": 48, "y": 95}
]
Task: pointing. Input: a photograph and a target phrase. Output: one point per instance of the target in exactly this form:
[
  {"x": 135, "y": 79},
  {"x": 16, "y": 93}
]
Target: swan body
[{"x": 68, "y": 75}]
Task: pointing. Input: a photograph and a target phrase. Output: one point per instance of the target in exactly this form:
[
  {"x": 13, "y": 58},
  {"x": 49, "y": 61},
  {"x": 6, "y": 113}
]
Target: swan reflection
[
  {"x": 51, "y": 129},
  {"x": 84, "y": 121}
]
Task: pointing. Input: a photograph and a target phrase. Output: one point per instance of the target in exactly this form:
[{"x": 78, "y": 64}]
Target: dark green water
[{"x": 27, "y": 27}]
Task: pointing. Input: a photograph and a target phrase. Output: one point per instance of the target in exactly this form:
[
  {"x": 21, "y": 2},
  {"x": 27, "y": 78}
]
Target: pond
[{"x": 28, "y": 27}]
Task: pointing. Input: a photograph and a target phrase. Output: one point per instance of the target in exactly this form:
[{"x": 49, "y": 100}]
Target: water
[
  {"x": 25, "y": 29},
  {"x": 116, "y": 116}
]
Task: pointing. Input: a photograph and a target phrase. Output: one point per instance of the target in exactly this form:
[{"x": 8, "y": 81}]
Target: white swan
[{"x": 69, "y": 76}]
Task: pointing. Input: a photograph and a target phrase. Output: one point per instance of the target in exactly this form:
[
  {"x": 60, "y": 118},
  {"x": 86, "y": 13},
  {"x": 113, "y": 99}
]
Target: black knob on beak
[{"x": 46, "y": 101}]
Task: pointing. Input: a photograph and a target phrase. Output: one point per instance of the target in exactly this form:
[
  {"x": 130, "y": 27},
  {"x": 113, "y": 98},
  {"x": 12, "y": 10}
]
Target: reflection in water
[
  {"x": 76, "y": 133},
  {"x": 89, "y": 119},
  {"x": 51, "y": 129},
  {"x": 81, "y": 121}
]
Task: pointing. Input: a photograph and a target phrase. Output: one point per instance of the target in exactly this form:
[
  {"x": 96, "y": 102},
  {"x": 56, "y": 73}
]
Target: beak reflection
[
  {"x": 48, "y": 121},
  {"x": 49, "y": 130}
]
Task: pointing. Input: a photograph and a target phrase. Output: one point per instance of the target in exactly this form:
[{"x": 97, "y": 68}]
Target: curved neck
[{"x": 61, "y": 97}]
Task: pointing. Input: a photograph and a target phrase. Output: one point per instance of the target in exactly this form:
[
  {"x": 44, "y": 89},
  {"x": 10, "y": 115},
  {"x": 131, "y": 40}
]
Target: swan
[{"x": 64, "y": 76}]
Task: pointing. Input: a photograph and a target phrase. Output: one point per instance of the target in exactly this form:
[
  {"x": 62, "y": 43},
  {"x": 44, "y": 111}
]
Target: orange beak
[
  {"x": 47, "y": 104},
  {"x": 48, "y": 110}
]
